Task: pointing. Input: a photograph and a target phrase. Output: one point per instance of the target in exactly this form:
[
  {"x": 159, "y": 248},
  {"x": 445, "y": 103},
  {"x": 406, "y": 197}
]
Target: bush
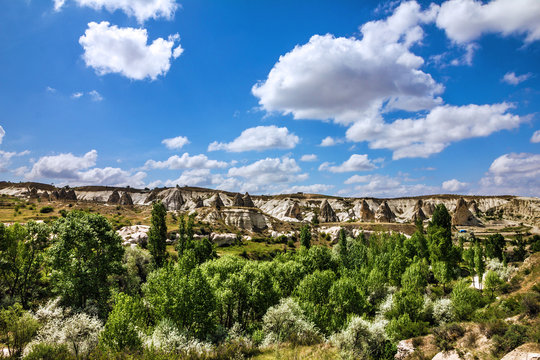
[
  {"x": 443, "y": 312},
  {"x": 465, "y": 300},
  {"x": 514, "y": 336},
  {"x": 46, "y": 209},
  {"x": 404, "y": 328},
  {"x": 447, "y": 335},
  {"x": 286, "y": 322},
  {"x": 17, "y": 327},
  {"x": 45, "y": 351},
  {"x": 531, "y": 304},
  {"x": 364, "y": 340}
]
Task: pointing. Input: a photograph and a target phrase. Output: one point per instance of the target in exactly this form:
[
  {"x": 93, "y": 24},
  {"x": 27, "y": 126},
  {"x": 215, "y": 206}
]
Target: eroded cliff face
[{"x": 256, "y": 213}]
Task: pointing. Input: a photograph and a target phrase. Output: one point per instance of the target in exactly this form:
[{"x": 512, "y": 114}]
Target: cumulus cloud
[
  {"x": 535, "y": 138},
  {"x": 377, "y": 185},
  {"x": 259, "y": 138},
  {"x": 346, "y": 79},
  {"x": 110, "y": 49},
  {"x": 6, "y": 156},
  {"x": 269, "y": 171},
  {"x": 95, "y": 96},
  {"x": 356, "y": 162},
  {"x": 2, "y": 134},
  {"x": 311, "y": 189},
  {"x": 77, "y": 95},
  {"x": 185, "y": 161},
  {"x": 308, "y": 157},
  {"x": 466, "y": 20},
  {"x": 175, "y": 142},
  {"x": 513, "y": 174},
  {"x": 79, "y": 170},
  {"x": 142, "y": 10},
  {"x": 195, "y": 177},
  {"x": 454, "y": 185},
  {"x": 330, "y": 141},
  {"x": 513, "y": 79},
  {"x": 428, "y": 135}
]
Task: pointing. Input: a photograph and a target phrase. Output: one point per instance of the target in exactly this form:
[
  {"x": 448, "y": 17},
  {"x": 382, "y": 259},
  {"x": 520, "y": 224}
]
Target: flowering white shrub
[
  {"x": 443, "y": 312},
  {"x": 386, "y": 304},
  {"x": 286, "y": 322},
  {"x": 79, "y": 332},
  {"x": 504, "y": 272},
  {"x": 168, "y": 338},
  {"x": 361, "y": 339}
]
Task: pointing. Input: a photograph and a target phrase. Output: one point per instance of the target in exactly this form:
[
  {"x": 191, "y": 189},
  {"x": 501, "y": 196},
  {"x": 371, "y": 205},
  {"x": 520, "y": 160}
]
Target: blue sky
[{"x": 351, "y": 98}]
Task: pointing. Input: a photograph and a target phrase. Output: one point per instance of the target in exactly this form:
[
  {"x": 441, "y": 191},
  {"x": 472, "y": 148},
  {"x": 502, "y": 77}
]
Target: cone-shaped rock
[
  {"x": 67, "y": 194},
  {"x": 463, "y": 216},
  {"x": 216, "y": 202},
  {"x": 326, "y": 213},
  {"x": 428, "y": 208},
  {"x": 45, "y": 195},
  {"x": 174, "y": 200},
  {"x": 247, "y": 201},
  {"x": 238, "y": 201},
  {"x": 294, "y": 211},
  {"x": 473, "y": 207},
  {"x": 114, "y": 198},
  {"x": 33, "y": 193},
  {"x": 152, "y": 196},
  {"x": 365, "y": 213},
  {"x": 384, "y": 214},
  {"x": 418, "y": 213},
  {"x": 126, "y": 199},
  {"x": 55, "y": 195}
]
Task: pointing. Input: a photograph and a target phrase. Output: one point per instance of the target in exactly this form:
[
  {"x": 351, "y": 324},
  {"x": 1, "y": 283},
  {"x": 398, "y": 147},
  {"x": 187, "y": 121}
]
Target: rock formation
[
  {"x": 33, "y": 193},
  {"x": 247, "y": 201},
  {"x": 247, "y": 219},
  {"x": 294, "y": 211},
  {"x": 173, "y": 200},
  {"x": 473, "y": 208},
  {"x": 198, "y": 203},
  {"x": 365, "y": 213},
  {"x": 238, "y": 201},
  {"x": 384, "y": 213},
  {"x": 216, "y": 202},
  {"x": 66, "y": 193},
  {"x": 45, "y": 196},
  {"x": 326, "y": 213},
  {"x": 126, "y": 199},
  {"x": 152, "y": 196},
  {"x": 418, "y": 213},
  {"x": 428, "y": 208},
  {"x": 114, "y": 198},
  {"x": 463, "y": 216}
]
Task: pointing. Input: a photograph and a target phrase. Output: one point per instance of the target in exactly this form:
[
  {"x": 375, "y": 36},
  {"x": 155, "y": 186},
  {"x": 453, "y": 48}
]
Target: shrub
[
  {"x": 17, "y": 327},
  {"x": 286, "y": 322},
  {"x": 404, "y": 328},
  {"x": 364, "y": 340},
  {"x": 465, "y": 300},
  {"x": 46, "y": 209},
  {"x": 531, "y": 304},
  {"x": 514, "y": 336},
  {"x": 443, "y": 312},
  {"x": 45, "y": 351},
  {"x": 447, "y": 335}
]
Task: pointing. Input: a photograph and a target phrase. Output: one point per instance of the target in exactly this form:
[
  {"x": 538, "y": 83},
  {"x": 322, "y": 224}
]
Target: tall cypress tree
[
  {"x": 157, "y": 235},
  {"x": 305, "y": 236}
]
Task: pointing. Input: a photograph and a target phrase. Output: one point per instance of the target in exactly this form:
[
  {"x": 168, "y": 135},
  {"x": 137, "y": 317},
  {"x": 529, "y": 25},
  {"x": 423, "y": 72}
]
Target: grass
[
  {"x": 317, "y": 352},
  {"x": 252, "y": 249}
]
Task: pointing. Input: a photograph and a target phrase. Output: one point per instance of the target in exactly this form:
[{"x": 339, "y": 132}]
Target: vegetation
[{"x": 70, "y": 290}]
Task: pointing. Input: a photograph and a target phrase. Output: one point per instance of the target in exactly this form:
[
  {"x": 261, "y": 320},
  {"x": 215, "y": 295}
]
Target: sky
[{"x": 345, "y": 98}]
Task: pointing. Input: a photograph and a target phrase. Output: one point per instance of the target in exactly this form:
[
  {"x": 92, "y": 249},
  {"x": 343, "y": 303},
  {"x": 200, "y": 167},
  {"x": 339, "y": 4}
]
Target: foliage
[
  {"x": 514, "y": 336},
  {"x": 46, "y": 351},
  {"x": 495, "y": 246},
  {"x": 312, "y": 294},
  {"x": 286, "y": 322},
  {"x": 465, "y": 300},
  {"x": 17, "y": 327},
  {"x": 443, "y": 312},
  {"x": 492, "y": 282},
  {"x": 404, "y": 328},
  {"x": 85, "y": 253},
  {"x": 157, "y": 235},
  {"x": 441, "y": 218},
  {"x": 305, "y": 236},
  {"x": 46, "y": 209},
  {"x": 136, "y": 262}
]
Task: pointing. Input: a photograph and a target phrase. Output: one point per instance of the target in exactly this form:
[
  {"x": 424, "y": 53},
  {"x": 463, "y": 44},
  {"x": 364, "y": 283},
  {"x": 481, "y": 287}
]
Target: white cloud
[
  {"x": 140, "y": 9},
  {"x": 175, "y": 142},
  {"x": 50, "y": 89},
  {"x": 6, "y": 156},
  {"x": 347, "y": 80},
  {"x": 195, "y": 177},
  {"x": 20, "y": 171},
  {"x": 311, "y": 189},
  {"x": 454, "y": 185},
  {"x": 428, "y": 135},
  {"x": 269, "y": 171},
  {"x": 110, "y": 49},
  {"x": 77, "y": 95},
  {"x": 111, "y": 176},
  {"x": 466, "y": 20},
  {"x": 96, "y": 96},
  {"x": 62, "y": 166},
  {"x": 385, "y": 186},
  {"x": 330, "y": 141},
  {"x": 535, "y": 138},
  {"x": 308, "y": 157},
  {"x": 259, "y": 138},
  {"x": 513, "y": 174},
  {"x": 513, "y": 79},
  {"x": 2, "y": 133},
  {"x": 185, "y": 161},
  {"x": 356, "y": 162}
]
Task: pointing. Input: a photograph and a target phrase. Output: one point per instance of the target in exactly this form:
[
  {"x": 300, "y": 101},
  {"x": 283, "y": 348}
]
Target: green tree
[
  {"x": 495, "y": 246},
  {"x": 157, "y": 235},
  {"x": 312, "y": 295},
  {"x": 22, "y": 263},
  {"x": 442, "y": 273},
  {"x": 344, "y": 299},
  {"x": 85, "y": 255},
  {"x": 519, "y": 247},
  {"x": 492, "y": 282},
  {"x": 17, "y": 328},
  {"x": 415, "y": 277},
  {"x": 441, "y": 218},
  {"x": 465, "y": 300},
  {"x": 479, "y": 262},
  {"x": 343, "y": 248},
  {"x": 124, "y": 322},
  {"x": 181, "y": 244},
  {"x": 305, "y": 236},
  {"x": 315, "y": 219}
]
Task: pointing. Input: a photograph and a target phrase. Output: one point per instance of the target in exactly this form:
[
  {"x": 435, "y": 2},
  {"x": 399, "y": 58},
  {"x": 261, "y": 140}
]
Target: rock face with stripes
[
  {"x": 114, "y": 198},
  {"x": 326, "y": 213},
  {"x": 294, "y": 211},
  {"x": 126, "y": 199},
  {"x": 384, "y": 213},
  {"x": 173, "y": 200},
  {"x": 238, "y": 200},
  {"x": 216, "y": 202},
  {"x": 418, "y": 213},
  {"x": 463, "y": 216}
]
